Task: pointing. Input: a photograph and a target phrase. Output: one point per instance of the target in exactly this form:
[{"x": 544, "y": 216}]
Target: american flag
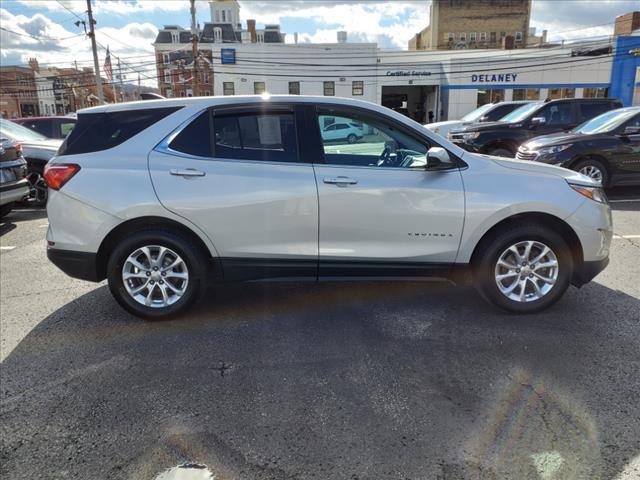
[{"x": 107, "y": 66}]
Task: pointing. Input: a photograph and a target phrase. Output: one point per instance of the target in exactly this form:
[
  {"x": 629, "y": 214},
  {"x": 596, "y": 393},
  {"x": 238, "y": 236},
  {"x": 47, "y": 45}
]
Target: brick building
[
  {"x": 627, "y": 24},
  {"x": 462, "y": 24},
  {"x": 18, "y": 92}
]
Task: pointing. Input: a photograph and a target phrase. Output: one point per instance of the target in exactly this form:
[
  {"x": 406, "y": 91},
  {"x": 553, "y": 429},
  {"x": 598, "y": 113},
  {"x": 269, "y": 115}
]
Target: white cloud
[{"x": 56, "y": 46}]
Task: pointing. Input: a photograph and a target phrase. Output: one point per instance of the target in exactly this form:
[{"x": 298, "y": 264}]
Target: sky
[{"x": 46, "y": 29}]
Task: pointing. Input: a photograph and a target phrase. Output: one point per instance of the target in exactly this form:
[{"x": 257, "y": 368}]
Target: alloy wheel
[
  {"x": 593, "y": 172},
  {"x": 155, "y": 276},
  {"x": 526, "y": 271}
]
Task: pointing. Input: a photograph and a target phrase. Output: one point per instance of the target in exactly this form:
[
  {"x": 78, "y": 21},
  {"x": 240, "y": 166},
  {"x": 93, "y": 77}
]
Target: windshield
[
  {"x": 477, "y": 113},
  {"x": 521, "y": 113},
  {"x": 606, "y": 122},
  {"x": 17, "y": 132}
]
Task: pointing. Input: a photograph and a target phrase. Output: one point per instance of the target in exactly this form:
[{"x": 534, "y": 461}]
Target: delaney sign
[{"x": 494, "y": 77}]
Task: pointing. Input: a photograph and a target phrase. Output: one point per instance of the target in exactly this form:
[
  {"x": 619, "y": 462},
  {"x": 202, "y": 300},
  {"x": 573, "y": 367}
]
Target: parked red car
[{"x": 50, "y": 127}]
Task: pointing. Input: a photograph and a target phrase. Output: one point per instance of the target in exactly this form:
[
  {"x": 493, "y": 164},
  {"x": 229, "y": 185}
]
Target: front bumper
[
  {"x": 81, "y": 265},
  {"x": 588, "y": 271}
]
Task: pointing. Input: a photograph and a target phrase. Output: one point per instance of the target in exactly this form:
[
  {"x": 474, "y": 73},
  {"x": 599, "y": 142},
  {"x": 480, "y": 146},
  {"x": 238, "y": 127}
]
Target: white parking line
[
  {"x": 626, "y": 200},
  {"x": 625, "y": 237},
  {"x": 44, "y": 225},
  {"x": 7, "y": 248}
]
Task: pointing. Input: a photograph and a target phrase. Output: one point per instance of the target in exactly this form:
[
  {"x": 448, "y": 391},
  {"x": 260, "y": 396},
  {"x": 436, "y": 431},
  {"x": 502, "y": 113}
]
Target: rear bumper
[
  {"x": 588, "y": 271},
  {"x": 14, "y": 191},
  {"x": 80, "y": 265}
]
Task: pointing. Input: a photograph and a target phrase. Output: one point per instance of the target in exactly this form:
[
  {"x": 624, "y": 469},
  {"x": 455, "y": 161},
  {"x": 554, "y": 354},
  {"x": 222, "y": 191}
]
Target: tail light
[{"x": 57, "y": 174}]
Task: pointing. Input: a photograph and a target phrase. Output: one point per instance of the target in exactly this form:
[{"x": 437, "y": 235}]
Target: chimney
[
  {"x": 342, "y": 36},
  {"x": 33, "y": 63},
  {"x": 251, "y": 27},
  {"x": 295, "y": 37}
]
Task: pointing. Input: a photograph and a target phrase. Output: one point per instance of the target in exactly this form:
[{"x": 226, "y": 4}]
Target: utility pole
[
  {"x": 120, "y": 79},
  {"x": 194, "y": 48},
  {"x": 96, "y": 65}
]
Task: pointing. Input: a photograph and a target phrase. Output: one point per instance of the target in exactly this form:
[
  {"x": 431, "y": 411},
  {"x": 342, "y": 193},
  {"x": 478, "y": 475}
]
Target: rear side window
[
  {"x": 589, "y": 110},
  {"x": 556, "y": 113},
  {"x": 268, "y": 137},
  {"x": 94, "y": 132},
  {"x": 195, "y": 138}
]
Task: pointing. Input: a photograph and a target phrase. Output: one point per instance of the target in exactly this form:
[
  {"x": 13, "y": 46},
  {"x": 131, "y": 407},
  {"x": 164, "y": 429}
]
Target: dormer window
[{"x": 217, "y": 35}]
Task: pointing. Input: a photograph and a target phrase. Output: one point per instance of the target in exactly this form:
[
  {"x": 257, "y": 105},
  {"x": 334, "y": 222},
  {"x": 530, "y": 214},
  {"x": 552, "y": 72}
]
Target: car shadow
[{"x": 335, "y": 380}]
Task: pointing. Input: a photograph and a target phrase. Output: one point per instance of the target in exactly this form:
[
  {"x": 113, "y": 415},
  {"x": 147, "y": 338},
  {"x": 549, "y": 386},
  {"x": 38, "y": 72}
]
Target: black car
[
  {"x": 533, "y": 120},
  {"x": 13, "y": 169},
  {"x": 605, "y": 148}
]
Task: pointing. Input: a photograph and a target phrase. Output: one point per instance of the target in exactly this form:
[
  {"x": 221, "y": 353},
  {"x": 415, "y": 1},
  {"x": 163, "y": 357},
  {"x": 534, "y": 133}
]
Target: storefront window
[
  {"x": 533, "y": 94},
  {"x": 568, "y": 93},
  {"x": 554, "y": 93},
  {"x": 490, "y": 96},
  {"x": 519, "y": 93},
  {"x": 599, "y": 92}
]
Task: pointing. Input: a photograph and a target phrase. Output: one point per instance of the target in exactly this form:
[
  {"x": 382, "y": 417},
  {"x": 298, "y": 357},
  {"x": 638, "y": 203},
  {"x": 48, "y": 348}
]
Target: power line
[{"x": 39, "y": 39}]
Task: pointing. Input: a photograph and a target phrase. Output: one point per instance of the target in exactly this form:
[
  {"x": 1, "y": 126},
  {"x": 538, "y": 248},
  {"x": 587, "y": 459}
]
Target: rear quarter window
[{"x": 95, "y": 132}]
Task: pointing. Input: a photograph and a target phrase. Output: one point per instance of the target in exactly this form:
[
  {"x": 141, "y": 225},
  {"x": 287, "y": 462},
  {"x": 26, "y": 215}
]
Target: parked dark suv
[
  {"x": 605, "y": 148},
  {"x": 503, "y": 138}
]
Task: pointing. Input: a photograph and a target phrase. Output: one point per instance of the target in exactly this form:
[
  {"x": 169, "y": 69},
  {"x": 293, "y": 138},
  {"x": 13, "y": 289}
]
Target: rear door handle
[
  {"x": 186, "y": 172},
  {"x": 340, "y": 181}
]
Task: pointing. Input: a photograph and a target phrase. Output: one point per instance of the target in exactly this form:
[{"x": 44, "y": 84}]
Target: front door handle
[
  {"x": 186, "y": 172},
  {"x": 340, "y": 181}
]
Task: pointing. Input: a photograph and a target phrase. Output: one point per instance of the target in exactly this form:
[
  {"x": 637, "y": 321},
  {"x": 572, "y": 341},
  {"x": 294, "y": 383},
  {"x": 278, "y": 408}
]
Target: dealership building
[{"x": 449, "y": 83}]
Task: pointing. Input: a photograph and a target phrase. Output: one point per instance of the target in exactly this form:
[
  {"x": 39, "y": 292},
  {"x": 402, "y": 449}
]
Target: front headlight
[
  {"x": 470, "y": 135},
  {"x": 594, "y": 193},
  {"x": 554, "y": 149}
]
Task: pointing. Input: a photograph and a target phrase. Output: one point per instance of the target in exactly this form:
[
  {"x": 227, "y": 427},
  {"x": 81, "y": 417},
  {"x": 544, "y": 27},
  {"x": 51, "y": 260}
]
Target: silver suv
[{"x": 162, "y": 197}]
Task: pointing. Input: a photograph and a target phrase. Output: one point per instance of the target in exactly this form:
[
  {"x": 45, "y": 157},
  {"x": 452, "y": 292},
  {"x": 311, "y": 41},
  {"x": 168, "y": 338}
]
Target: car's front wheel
[
  {"x": 352, "y": 138},
  {"x": 593, "y": 169},
  {"x": 156, "y": 273},
  {"x": 523, "y": 269}
]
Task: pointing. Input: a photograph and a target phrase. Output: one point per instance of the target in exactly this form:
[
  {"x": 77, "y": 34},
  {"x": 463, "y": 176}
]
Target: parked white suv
[{"x": 160, "y": 197}]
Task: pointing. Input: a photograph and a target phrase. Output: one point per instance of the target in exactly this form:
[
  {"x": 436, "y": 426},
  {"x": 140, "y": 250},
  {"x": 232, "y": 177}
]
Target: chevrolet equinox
[{"x": 161, "y": 197}]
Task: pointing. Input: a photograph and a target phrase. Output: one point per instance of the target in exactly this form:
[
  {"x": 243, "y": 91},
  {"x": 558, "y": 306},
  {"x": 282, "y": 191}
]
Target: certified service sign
[{"x": 228, "y": 55}]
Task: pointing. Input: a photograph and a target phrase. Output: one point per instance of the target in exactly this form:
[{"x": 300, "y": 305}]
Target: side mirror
[
  {"x": 438, "y": 157},
  {"x": 483, "y": 118},
  {"x": 631, "y": 130},
  {"x": 535, "y": 121}
]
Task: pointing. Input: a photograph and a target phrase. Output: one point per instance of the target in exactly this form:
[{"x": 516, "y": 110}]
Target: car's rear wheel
[
  {"x": 352, "y": 138},
  {"x": 523, "y": 269},
  {"x": 155, "y": 273},
  {"x": 501, "y": 152},
  {"x": 593, "y": 169}
]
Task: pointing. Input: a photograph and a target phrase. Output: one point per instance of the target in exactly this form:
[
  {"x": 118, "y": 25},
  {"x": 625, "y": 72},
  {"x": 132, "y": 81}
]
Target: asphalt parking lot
[{"x": 328, "y": 381}]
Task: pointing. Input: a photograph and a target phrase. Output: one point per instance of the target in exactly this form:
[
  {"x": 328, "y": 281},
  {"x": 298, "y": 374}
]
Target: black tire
[
  {"x": 194, "y": 258},
  {"x": 490, "y": 250},
  {"x": 351, "y": 138},
  {"x": 501, "y": 152},
  {"x": 5, "y": 209},
  {"x": 590, "y": 162}
]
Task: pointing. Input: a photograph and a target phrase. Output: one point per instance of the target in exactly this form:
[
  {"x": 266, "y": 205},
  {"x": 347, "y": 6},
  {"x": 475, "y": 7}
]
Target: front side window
[
  {"x": 259, "y": 88},
  {"x": 357, "y": 87},
  {"x": 329, "y": 89},
  {"x": 228, "y": 88},
  {"x": 269, "y": 137},
  {"x": 365, "y": 142},
  {"x": 556, "y": 114}
]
